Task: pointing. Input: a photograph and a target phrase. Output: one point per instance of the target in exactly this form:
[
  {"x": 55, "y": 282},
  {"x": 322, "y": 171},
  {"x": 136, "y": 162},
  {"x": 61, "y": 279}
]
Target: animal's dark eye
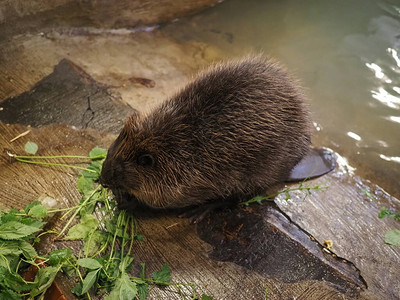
[{"x": 146, "y": 160}]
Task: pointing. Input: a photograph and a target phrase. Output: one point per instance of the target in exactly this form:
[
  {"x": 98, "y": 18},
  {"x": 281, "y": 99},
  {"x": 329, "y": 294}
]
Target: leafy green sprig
[
  {"x": 105, "y": 261},
  {"x": 17, "y": 229},
  {"x": 286, "y": 192},
  {"x": 388, "y": 213}
]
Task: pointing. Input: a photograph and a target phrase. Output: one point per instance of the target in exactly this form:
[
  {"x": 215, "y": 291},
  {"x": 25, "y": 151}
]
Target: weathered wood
[{"x": 348, "y": 217}]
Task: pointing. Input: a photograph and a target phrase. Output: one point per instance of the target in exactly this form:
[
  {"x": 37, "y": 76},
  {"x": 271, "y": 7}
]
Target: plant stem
[
  {"x": 54, "y": 164},
  {"x": 133, "y": 230},
  {"x": 285, "y": 191},
  {"x": 123, "y": 243},
  {"x": 113, "y": 241},
  {"x": 78, "y": 210},
  {"x": 51, "y": 157},
  {"x": 51, "y": 211}
]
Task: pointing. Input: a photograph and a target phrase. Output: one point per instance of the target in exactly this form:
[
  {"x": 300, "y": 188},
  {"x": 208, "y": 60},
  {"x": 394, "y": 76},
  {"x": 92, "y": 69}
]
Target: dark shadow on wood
[
  {"x": 67, "y": 96},
  {"x": 260, "y": 238}
]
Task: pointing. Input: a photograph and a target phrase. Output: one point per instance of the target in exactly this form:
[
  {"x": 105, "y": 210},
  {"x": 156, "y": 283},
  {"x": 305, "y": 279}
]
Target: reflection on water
[
  {"x": 346, "y": 53},
  {"x": 394, "y": 119},
  {"x": 354, "y": 136},
  {"x": 386, "y": 98},
  {"x": 394, "y": 159}
]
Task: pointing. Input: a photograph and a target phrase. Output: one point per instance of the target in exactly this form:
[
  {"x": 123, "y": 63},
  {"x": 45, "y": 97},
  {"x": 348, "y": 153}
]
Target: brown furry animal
[{"x": 231, "y": 134}]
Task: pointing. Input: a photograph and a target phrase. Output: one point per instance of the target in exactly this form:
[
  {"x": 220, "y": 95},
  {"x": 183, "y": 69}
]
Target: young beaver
[{"x": 231, "y": 134}]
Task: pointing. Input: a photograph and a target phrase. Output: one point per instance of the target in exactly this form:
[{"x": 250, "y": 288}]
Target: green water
[{"x": 346, "y": 54}]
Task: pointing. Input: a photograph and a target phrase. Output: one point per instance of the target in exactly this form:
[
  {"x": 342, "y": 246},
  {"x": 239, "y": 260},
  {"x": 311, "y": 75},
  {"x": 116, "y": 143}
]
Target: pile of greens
[{"x": 103, "y": 265}]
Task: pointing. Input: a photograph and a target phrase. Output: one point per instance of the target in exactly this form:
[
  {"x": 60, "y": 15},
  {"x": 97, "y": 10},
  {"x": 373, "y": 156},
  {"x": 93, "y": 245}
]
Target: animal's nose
[{"x": 103, "y": 182}]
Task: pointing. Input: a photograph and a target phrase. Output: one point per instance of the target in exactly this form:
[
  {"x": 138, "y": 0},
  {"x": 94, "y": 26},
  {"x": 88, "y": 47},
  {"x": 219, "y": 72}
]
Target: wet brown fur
[{"x": 234, "y": 132}]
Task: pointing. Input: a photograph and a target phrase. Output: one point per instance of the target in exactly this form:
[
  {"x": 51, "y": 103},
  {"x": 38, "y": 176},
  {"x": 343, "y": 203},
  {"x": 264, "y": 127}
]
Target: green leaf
[
  {"x": 3, "y": 273},
  {"x": 10, "y": 261},
  {"x": 44, "y": 279},
  {"x": 85, "y": 185},
  {"x": 392, "y": 237},
  {"x": 28, "y": 250},
  {"x": 205, "y": 297},
  {"x": 16, "y": 230},
  {"x": 31, "y": 148},
  {"x": 32, "y": 222},
  {"x": 126, "y": 264},
  {"x": 10, "y": 248},
  {"x": 8, "y": 294},
  {"x": 139, "y": 237},
  {"x": 143, "y": 290},
  {"x": 89, "y": 263},
  {"x": 88, "y": 225},
  {"x": 388, "y": 213},
  {"x": 113, "y": 265},
  {"x": 164, "y": 276},
  {"x": 94, "y": 243},
  {"x": 95, "y": 166},
  {"x": 96, "y": 152},
  {"x": 10, "y": 216},
  {"x": 38, "y": 211},
  {"x": 89, "y": 207},
  {"x": 112, "y": 229},
  {"x": 30, "y": 205},
  {"x": 13, "y": 280},
  {"x": 77, "y": 290},
  {"x": 89, "y": 280},
  {"x": 60, "y": 256},
  {"x": 124, "y": 289},
  {"x": 88, "y": 174}
]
